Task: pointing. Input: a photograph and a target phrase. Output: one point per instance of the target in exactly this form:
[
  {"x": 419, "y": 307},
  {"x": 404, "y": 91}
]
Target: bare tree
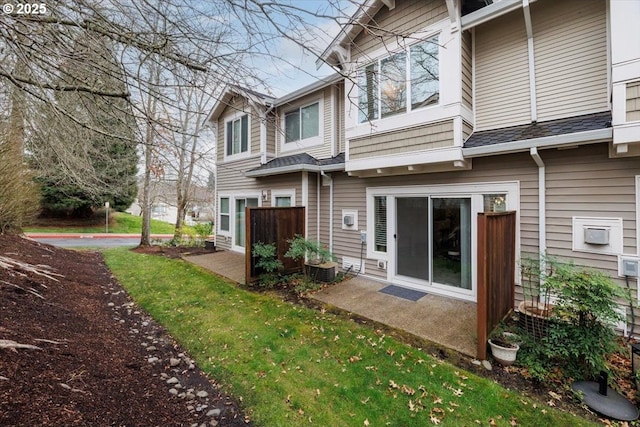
[{"x": 159, "y": 45}]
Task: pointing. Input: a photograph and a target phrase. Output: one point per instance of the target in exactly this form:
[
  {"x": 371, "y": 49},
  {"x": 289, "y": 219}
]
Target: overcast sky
[{"x": 297, "y": 68}]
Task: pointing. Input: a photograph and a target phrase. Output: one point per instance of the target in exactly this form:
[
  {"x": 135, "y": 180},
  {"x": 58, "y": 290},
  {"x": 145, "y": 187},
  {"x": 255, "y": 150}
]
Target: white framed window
[
  {"x": 401, "y": 82},
  {"x": 237, "y": 136},
  {"x": 224, "y": 216},
  {"x": 282, "y": 198},
  {"x": 380, "y": 224},
  {"x": 303, "y": 126}
]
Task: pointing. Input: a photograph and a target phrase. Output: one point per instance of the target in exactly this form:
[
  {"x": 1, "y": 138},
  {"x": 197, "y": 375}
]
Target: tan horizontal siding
[
  {"x": 633, "y": 101},
  {"x": 235, "y": 105},
  {"x": 467, "y": 130},
  {"x": 502, "y": 73},
  {"x": 408, "y": 17},
  {"x": 570, "y": 46},
  {"x": 312, "y": 208},
  {"x": 420, "y": 138},
  {"x": 467, "y": 70},
  {"x": 585, "y": 182}
]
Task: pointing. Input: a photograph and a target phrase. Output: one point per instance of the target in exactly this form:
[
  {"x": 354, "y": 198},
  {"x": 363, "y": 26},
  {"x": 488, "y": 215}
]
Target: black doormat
[{"x": 400, "y": 292}]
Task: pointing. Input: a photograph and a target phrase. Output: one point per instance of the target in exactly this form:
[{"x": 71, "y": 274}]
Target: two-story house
[
  {"x": 451, "y": 108},
  {"x": 275, "y": 152}
]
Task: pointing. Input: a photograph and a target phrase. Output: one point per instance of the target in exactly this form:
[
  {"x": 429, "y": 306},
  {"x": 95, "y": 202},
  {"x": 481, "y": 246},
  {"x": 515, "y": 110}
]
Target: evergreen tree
[{"x": 99, "y": 159}]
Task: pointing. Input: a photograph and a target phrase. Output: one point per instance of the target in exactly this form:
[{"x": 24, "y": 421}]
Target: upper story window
[
  {"x": 302, "y": 123},
  {"x": 237, "y": 135},
  {"x": 401, "y": 82}
]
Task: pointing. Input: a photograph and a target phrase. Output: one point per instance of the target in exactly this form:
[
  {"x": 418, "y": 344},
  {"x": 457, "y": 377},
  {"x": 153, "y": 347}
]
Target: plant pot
[
  {"x": 534, "y": 318},
  {"x": 505, "y": 355},
  {"x": 321, "y": 272}
]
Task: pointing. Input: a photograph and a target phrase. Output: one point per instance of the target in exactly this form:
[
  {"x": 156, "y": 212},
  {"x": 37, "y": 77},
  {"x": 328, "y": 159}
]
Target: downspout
[
  {"x": 318, "y": 184},
  {"x": 305, "y": 201},
  {"x": 263, "y": 135},
  {"x": 330, "y": 178},
  {"x": 334, "y": 108},
  {"x": 542, "y": 209}
]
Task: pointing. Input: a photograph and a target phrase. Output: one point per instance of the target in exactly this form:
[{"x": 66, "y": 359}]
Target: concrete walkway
[{"x": 445, "y": 321}]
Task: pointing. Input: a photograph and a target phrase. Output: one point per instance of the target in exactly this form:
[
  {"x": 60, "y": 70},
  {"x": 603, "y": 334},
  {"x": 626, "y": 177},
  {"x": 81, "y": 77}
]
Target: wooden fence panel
[
  {"x": 496, "y": 272},
  {"x": 272, "y": 225}
]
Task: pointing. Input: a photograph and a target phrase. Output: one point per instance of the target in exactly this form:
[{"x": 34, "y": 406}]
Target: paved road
[{"x": 91, "y": 240}]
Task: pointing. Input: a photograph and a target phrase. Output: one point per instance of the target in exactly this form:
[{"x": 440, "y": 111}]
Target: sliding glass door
[
  {"x": 412, "y": 237},
  {"x": 433, "y": 240},
  {"x": 240, "y": 232}
]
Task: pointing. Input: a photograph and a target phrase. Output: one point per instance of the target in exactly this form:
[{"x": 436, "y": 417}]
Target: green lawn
[
  {"x": 293, "y": 366},
  {"x": 120, "y": 222}
]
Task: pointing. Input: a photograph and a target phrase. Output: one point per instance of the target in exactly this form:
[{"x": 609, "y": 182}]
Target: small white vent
[
  {"x": 382, "y": 264},
  {"x": 352, "y": 265}
]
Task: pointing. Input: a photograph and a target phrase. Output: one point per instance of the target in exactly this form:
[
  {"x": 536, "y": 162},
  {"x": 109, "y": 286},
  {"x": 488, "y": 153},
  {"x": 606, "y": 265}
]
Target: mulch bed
[{"x": 100, "y": 360}]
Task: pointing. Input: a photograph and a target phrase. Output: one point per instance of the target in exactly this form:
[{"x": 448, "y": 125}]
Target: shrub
[
  {"x": 581, "y": 330},
  {"x": 312, "y": 250},
  {"x": 269, "y": 264}
]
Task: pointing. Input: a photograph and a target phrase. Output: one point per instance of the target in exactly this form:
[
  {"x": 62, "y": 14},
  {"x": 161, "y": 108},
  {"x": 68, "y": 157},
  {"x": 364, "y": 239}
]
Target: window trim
[
  {"x": 222, "y": 232},
  {"x": 220, "y": 214},
  {"x": 435, "y": 37},
  {"x": 511, "y": 188},
  {"x": 244, "y": 154},
  {"x": 306, "y": 142},
  {"x": 232, "y": 196},
  {"x": 289, "y": 192}
]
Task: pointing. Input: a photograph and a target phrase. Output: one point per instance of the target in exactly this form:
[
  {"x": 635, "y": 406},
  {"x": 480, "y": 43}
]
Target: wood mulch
[{"x": 74, "y": 350}]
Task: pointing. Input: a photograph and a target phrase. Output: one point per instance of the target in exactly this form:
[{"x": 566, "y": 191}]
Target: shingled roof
[
  {"x": 298, "y": 163},
  {"x": 584, "y": 123}
]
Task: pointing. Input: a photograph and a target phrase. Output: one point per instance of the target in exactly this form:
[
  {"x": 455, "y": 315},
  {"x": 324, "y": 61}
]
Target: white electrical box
[{"x": 628, "y": 265}]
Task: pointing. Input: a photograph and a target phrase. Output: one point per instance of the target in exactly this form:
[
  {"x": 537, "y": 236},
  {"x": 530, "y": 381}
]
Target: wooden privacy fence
[
  {"x": 496, "y": 272},
  {"x": 272, "y": 225}
]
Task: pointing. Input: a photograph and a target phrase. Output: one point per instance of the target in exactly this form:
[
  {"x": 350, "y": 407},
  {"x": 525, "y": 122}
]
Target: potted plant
[
  {"x": 504, "y": 347},
  {"x": 319, "y": 262}
]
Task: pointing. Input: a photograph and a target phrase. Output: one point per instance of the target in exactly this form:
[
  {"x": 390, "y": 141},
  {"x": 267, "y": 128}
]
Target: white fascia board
[
  {"x": 587, "y": 137},
  {"x": 489, "y": 12},
  {"x": 306, "y": 90},
  {"x": 349, "y": 31},
  {"x": 440, "y": 155},
  {"x": 294, "y": 168}
]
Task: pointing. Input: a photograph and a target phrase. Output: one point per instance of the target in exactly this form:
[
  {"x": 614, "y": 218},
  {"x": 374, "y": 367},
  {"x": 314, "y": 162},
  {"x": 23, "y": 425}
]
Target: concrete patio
[{"x": 445, "y": 321}]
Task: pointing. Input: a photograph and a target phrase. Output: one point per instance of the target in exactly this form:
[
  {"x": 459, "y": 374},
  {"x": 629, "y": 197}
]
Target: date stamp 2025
[{"x": 24, "y": 8}]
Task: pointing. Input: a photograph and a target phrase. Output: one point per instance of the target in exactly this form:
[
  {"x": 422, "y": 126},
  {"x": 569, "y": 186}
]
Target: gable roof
[
  {"x": 586, "y": 128},
  {"x": 298, "y": 163},
  {"x": 229, "y": 92},
  {"x": 349, "y": 31}
]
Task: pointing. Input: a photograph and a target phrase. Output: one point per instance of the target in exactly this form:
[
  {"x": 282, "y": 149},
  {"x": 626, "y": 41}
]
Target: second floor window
[
  {"x": 238, "y": 135},
  {"x": 401, "y": 82},
  {"x": 302, "y": 123}
]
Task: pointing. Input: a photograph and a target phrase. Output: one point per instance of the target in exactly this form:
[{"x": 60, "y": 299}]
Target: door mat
[{"x": 400, "y": 292}]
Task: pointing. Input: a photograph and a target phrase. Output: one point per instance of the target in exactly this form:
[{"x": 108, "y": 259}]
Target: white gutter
[
  {"x": 577, "y": 138},
  {"x": 295, "y": 168},
  {"x": 330, "y": 211},
  {"x": 489, "y": 12}
]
